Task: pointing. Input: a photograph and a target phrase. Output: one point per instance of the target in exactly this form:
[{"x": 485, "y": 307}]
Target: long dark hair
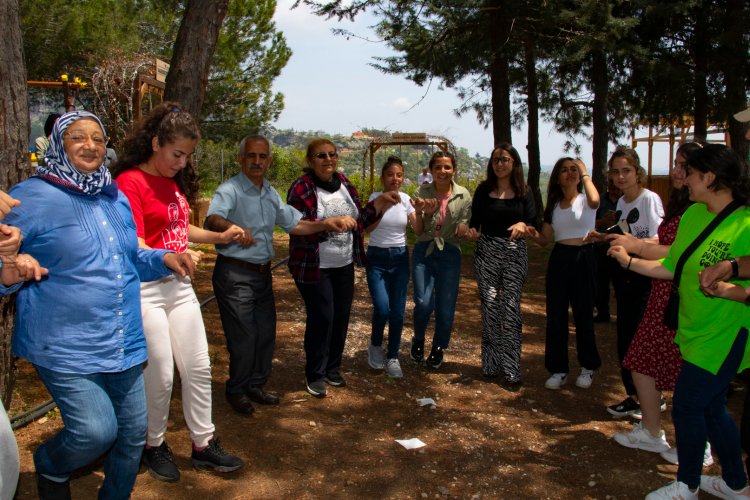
[
  {"x": 167, "y": 122},
  {"x": 554, "y": 191},
  {"x": 679, "y": 199},
  {"x": 726, "y": 165},
  {"x": 516, "y": 177}
]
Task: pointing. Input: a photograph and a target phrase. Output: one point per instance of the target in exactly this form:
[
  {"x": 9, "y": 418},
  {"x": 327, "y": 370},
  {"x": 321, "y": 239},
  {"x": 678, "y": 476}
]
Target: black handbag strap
[{"x": 731, "y": 207}]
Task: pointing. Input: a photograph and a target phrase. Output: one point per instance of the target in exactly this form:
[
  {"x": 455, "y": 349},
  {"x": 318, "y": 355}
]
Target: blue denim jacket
[{"x": 85, "y": 317}]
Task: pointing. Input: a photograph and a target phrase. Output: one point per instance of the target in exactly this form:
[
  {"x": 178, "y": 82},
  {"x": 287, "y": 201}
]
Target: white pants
[
  {"x": 9, "y": 466},
  {"x": 173, "y": 325}
]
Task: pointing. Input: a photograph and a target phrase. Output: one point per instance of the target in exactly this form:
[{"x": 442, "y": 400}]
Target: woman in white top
[
  {"x": 388, "y": 270},
  {"x": 570, "y": 213}
]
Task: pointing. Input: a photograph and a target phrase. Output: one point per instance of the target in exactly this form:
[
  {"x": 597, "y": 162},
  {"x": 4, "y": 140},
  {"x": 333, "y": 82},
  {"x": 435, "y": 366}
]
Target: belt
[{"x": 258, "y": 268}]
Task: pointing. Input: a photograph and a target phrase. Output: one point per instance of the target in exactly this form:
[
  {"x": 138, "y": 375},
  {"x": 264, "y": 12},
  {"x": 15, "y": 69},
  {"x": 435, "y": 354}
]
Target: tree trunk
[
  {"x": 14, "y": 157},
  {"x": 600, "y": 85},
  {"x": 734, "y": 49},
  {"x": 193, "y": 52},
  {"x": 700, "y": 88},
  {"x": 532, "y": 105},
  {"x": 499, "y": 29}
]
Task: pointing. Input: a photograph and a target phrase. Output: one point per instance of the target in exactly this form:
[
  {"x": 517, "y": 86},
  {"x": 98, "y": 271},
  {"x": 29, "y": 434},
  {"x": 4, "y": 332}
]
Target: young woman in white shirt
[{"x": 570, "y": 213}]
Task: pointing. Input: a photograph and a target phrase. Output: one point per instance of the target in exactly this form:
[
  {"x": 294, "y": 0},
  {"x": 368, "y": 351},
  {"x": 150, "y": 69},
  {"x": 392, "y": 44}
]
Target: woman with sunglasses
[
  {"x": 572, "y": 200},
  {"x": 501, "y": 212},
  {"x": 388, "y": 269},
  {"x": 639, "y": 212},
  {"x": 322, "y": 264},
  {"x": 157, "y": 176},
  {"x": 712, "y": 334}
]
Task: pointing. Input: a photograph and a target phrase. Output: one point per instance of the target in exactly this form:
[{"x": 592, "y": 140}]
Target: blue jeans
[
  {"x": 388, "y": 279},
  {"x": 436, "y": 277},
  {"x": 700, "y": 409},
  {"x": 102, "y": 413}
]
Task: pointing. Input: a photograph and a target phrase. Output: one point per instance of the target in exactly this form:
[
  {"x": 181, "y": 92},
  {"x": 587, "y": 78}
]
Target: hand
[
  {"x": 711, "y": 276},
  {"x": 430, "y": 206},
  {"x": 594, "y": 237},
  {"x": 232, "y": 233},
  {"x": 181, "y": 263},
  {"x": 609, "y": 219},
  {"x": 417, "y": 203},
  {"x": 472, "y": 234},
  {"x": 517, "y": 230},
  {"x": 620, "y": 254},
  {"x": 532, "y": 232},
  {"x": 28, "y": 268},
  {"x": 386, "y": 200},
  {"x": 340, "y": 224},
  {"x": 246, "y": 238},
  {"x": 581, "y": 167},
  {"x": 629, "y": 242},
  {"x": 7, "y": 203},
  {"x": 10, "y": 239},
  {"x": 462, "y": 230},
  {"x": 196, "y": 255}
]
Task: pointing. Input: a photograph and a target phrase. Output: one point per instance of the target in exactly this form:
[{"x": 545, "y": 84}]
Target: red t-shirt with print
[{"x": 160, "y": 210}]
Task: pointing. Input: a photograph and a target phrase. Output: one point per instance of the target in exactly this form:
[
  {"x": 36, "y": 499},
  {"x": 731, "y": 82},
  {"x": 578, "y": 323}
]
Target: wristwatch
[{"x": 735, "y": 268}]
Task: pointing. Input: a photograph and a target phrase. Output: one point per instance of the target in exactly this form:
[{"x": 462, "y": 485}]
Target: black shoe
[
  {"x": 262, "y": 397},
  {"x": 335, "y": 379},
  {"x": 241, "y": 403},
  {"x": 160, "y": 464},
  {"x": 317, "y": 387},
  {"x": 52, "y": 490},
  {"x": 628, "y": 406},
  {"x": 511, "y": 384},
  {"x": 214, "y": 457},
  {"x": 417, "y": 350},
  {"x": 435, "y": 359}
]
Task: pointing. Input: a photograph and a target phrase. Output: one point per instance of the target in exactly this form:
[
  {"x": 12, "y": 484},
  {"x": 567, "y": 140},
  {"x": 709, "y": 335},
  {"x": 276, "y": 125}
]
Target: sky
[{"x": 328, "y": 85}]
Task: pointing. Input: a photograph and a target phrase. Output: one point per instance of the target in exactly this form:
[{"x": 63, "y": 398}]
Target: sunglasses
[{"x": 324, "y": 155}]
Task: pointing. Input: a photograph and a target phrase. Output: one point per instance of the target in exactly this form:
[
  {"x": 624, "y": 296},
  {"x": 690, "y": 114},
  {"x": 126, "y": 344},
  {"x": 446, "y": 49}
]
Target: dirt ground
[{"x": 482, "y": 441}]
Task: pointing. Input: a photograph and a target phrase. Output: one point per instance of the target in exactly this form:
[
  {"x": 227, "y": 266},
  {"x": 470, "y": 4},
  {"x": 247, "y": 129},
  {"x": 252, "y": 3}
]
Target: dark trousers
[
  {"x": 631, "y": 293},
  {"x": 601, "y": 298},
  {"x": 328, "y": 303},
  {"x": 248, "y": 315},
  {"x": 570, "y": 280},
  {"x": 699, "y": 409}
]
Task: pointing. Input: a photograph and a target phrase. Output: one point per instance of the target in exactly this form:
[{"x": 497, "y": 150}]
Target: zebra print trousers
[{"x": 501, "y": 266}]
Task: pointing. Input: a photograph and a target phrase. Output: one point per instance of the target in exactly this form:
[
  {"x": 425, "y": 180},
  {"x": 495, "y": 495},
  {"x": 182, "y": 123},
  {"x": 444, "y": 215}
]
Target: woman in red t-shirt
[{"x": 157, "y": 176}]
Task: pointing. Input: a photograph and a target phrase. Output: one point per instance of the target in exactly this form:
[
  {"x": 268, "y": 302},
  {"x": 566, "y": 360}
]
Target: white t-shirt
[
  {"x": 643, "y": 215},
  {"x": 575, "y": 221},
  {"x": 422, "y": 178},
  {"x": 391, "y": 232},
  {"x": 338, "y": 249}
]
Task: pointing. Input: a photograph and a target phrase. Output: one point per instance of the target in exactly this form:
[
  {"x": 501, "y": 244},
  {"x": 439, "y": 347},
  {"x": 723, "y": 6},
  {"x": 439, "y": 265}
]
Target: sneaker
[
  {"x": 160, "y": 464},
  {"x": 316, "y": 388},
  {"x": 638, "y": 415},
  {"x": 670, "y": 456},
  {"x": 717, "y": 487},
  {"x": 215, "y": 458},
  {"x": 641, "y": 439},
  {"x": 417, "y": 350},
  {"x": 627, "y": 407},
  {"x": 375, "y": 357},
  {"x": 335, "y": 379},
  {"x": 673, "y": 491},
  {"x": 556, "y": 381},
  {"x": 585, "y": 378},
  {"x": 393, "y": 368},
  {"x": 435, "y": 359},
  {"x": 47, "y": 489}
]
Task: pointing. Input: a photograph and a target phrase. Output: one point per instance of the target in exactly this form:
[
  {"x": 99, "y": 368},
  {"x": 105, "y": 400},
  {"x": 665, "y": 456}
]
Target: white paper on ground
[
  {"x": 426, "y": 401},
  {"x": 411, "y": 444}
]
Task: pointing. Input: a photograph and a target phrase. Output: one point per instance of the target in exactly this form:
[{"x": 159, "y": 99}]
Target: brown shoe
[
  {"x": 241, "y": 403},
  {"x": 260, "y": 396}
]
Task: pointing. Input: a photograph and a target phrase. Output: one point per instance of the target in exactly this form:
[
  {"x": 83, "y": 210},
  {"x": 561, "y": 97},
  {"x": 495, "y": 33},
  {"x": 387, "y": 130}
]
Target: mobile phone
[{"x": 621, "y": 227}]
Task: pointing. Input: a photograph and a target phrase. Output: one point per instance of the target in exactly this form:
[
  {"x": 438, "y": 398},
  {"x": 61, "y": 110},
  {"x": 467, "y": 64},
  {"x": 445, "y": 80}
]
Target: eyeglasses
[
  {"x": 323, "y": 155},
  {"x": 502, "y": 159},
  {"x": 80, "y": 138}
]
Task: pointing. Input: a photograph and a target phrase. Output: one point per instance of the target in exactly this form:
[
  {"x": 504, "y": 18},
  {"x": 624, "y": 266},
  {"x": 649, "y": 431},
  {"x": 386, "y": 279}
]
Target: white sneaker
[
  {"x": 676, "y": 490},
  {"x": 641, "y": 439},
  {"x": 717, "y": 487},
  {"x": 585, "y": 378},
  {"x": 375, "y": 357},
  {"x": 556, "y": 381},
  {"x": 671, "y": 456},
  {"x": 393, "y": 368}
]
